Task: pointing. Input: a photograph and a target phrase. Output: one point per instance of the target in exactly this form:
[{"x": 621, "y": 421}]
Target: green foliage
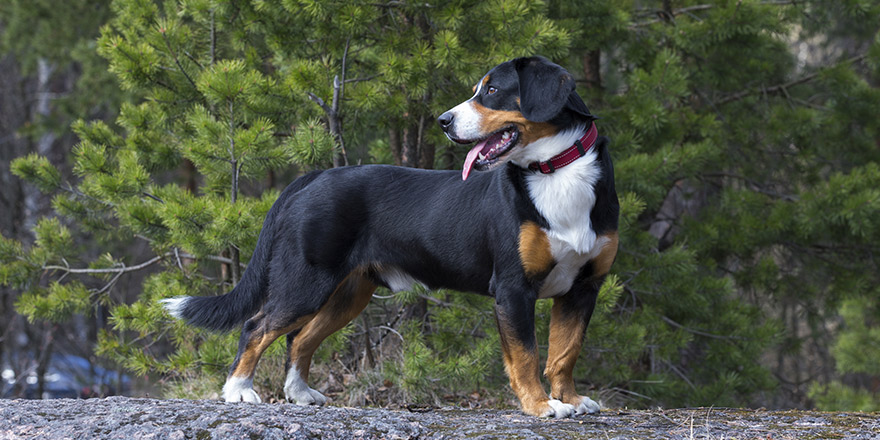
[
  {"x": 462, "y": 334},
  {"x": 55, "y": 303},
  {"x": 37, "y": 170},
  {"x": 703, "y": 138},
  {"x": 747, "y": 177},
  {"x": 310, "y": 144},
  {"x": 57, "y": 38},
  {"x": 836, "y": 396},
  {"x": 858, "y": 347}
]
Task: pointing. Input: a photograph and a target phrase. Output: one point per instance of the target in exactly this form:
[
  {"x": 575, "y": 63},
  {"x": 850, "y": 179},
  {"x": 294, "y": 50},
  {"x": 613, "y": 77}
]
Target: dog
[{"x": 537, "y": 220}]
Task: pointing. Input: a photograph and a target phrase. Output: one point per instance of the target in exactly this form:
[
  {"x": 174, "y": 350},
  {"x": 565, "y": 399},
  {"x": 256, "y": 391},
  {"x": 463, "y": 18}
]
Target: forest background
[{"x": 142, "y": 142}]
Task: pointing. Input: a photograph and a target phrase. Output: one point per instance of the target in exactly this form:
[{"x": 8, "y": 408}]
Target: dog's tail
[{"x": 224, "y": 312}]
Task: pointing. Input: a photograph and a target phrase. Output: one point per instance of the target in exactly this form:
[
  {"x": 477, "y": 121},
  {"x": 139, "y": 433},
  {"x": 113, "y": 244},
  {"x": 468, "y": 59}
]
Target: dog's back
[{"x": 538, "y": 219}]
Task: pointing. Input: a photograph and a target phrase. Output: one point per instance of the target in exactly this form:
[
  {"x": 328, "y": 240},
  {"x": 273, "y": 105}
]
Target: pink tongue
[{"x": 471, "y": 158}]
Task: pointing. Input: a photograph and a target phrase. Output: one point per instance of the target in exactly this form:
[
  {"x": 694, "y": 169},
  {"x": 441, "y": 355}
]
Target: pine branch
[
  {"x": 236, "y": 172},
  {"x": 149, "y": 77},
  {"x": 368, "y": 78},
  {"x": 400, "y": 4},
  {"x": 193, "y": 59},
  {"x": 216, "y": 258},
  {"x": 122, "y": 269},
  {"x": 668, "y": 15},
  {"x": 176, "y": 59},
  {"x": 783, "y": 88},
  {"x": 320, "y": 102},
  {"x": 110, "y": 284},
  {"x": 213, "y": 39},
  {"x": 679, "y": 373},
  {"x": 754, "y": 186},
  {"x": 125, "y": 269},
  {"x": 701, "y": 333},
  {"x": 338, "y": 96},
  {"x": 153, "y": 197},
  {"x": 334, "y": 121},
  {"x": 391, "y": 330}
]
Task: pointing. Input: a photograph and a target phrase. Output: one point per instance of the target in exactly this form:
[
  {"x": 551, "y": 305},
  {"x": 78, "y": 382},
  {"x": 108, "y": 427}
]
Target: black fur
[
  {"x": 225, "y": 312},
  {"x": 543, "y": 88},
  {"x": 429, "y": 225},
  {"x": 606, "y": 211}
]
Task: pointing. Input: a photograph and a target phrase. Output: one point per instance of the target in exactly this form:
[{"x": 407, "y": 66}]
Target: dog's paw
[
  {"x": 559, "y": 409},
  {"x": 239, "y": 390},
  {"x": 305, "y": 397},
  {"x": 586, "y": 406},
  {"x": 247, "y": 395},
  {"x": 296, "y": 390}
]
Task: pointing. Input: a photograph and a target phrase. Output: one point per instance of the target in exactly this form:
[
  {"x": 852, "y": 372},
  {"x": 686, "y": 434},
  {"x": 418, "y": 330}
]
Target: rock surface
[{"x": 129, "y": 418}]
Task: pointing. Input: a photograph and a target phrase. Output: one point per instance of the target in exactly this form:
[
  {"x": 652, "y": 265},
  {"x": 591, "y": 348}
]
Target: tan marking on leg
[
  {"x": 348, "y": 300},
  {"x": 602, "y": 262},
  {"x": 534, "y": 249},
  {"x": 260, "y": 340},
  {"x": 566, "y": 338},
  {"x": 523, "y": 369},
  {"x": 529, "y": 131}
]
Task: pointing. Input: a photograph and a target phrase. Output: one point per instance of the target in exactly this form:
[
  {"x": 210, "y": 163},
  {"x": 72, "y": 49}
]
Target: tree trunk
[
  {"x": 190, "y": 176},
  {"x": 234, "y": 268},
  {"x": 427, "y": 159},
  {"x": 426, "y": 150},
  {"x": 396, "y": 145},
  {"x": 13, "y": 114},
  {"x": 44, "y": 358},
  {"x": 409, "y": 156},
  {"x": 448, "y": 157},
  {"x": 593, "y": 69}
]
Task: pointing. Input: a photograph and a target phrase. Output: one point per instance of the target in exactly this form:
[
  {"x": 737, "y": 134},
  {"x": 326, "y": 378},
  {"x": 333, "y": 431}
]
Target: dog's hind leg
[
  {"x": 349, "y": 298},
  {"x": 256, "y": 335}
]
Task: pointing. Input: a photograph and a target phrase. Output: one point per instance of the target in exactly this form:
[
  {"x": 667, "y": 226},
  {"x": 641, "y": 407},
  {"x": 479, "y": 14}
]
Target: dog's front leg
[
  {"x": 568, "y": 323},
  {"x": 515, "y": 315}
]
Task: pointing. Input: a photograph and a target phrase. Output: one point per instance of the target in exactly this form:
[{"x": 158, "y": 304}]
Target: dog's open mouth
[{"x": 487, "y": 152}]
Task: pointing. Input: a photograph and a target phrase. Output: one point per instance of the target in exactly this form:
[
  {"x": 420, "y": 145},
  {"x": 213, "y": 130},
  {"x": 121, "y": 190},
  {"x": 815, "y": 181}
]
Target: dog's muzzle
[{"x": 445, "y": 120}]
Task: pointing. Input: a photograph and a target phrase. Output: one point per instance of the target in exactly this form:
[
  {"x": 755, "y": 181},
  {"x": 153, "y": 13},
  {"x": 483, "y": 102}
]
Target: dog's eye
[{"x": 491, "y": 90}]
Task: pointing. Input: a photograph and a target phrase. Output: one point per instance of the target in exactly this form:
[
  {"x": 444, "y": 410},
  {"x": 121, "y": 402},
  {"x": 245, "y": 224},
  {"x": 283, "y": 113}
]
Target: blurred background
[{"x": 142, "y": 143}]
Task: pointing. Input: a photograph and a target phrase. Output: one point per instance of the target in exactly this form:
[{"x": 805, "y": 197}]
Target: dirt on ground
[{"x": 131, "y": 418}]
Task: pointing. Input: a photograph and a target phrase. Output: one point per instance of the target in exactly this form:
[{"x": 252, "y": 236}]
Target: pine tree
[
  {"x": 50, "y": 76},
  {"x": 224, "y": 97},
  {"x": 747, "y": 179},
  {"x": 747, "y": 171}
]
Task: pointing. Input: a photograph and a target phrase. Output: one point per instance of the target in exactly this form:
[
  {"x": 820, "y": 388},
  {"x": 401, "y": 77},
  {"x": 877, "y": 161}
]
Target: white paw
[
  {"x": 560, "y": 410},
  {"x": 305, "y": 397},
  {"x": 296, "y": 390},
  {"x": 587, "y": 406},
  {"x": 240, "y": 390}
]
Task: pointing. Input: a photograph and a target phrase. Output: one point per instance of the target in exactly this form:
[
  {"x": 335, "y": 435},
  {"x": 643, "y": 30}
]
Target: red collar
[{"x": 571, "y": 154}]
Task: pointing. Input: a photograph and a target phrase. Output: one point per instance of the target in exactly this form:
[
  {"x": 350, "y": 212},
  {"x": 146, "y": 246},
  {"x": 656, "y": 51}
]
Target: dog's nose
[{"x": 445, "y": 120}]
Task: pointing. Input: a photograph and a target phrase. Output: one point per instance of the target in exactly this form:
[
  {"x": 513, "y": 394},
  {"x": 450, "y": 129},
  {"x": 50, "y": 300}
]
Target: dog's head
[{"x": 516, "y": 104}]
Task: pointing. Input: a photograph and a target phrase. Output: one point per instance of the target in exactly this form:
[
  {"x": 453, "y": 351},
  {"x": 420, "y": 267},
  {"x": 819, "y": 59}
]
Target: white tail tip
[{"x": 175, "y": 306}]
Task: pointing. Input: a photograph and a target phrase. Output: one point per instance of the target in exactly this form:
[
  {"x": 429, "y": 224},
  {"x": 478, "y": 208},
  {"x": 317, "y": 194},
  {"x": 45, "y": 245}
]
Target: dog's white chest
[
  {"x": 568, "y": 264},
  {"x": 565, "y": 199}
]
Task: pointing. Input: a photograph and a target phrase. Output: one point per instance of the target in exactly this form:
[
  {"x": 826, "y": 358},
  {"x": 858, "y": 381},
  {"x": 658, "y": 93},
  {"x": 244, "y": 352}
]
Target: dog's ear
[
  {"x": 576, "y": 105},
  {"x": 545, "y": 88}
]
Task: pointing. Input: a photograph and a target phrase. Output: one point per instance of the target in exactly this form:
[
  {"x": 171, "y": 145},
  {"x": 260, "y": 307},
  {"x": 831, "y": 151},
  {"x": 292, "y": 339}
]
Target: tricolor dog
[{"x": 538, "y": 219}]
